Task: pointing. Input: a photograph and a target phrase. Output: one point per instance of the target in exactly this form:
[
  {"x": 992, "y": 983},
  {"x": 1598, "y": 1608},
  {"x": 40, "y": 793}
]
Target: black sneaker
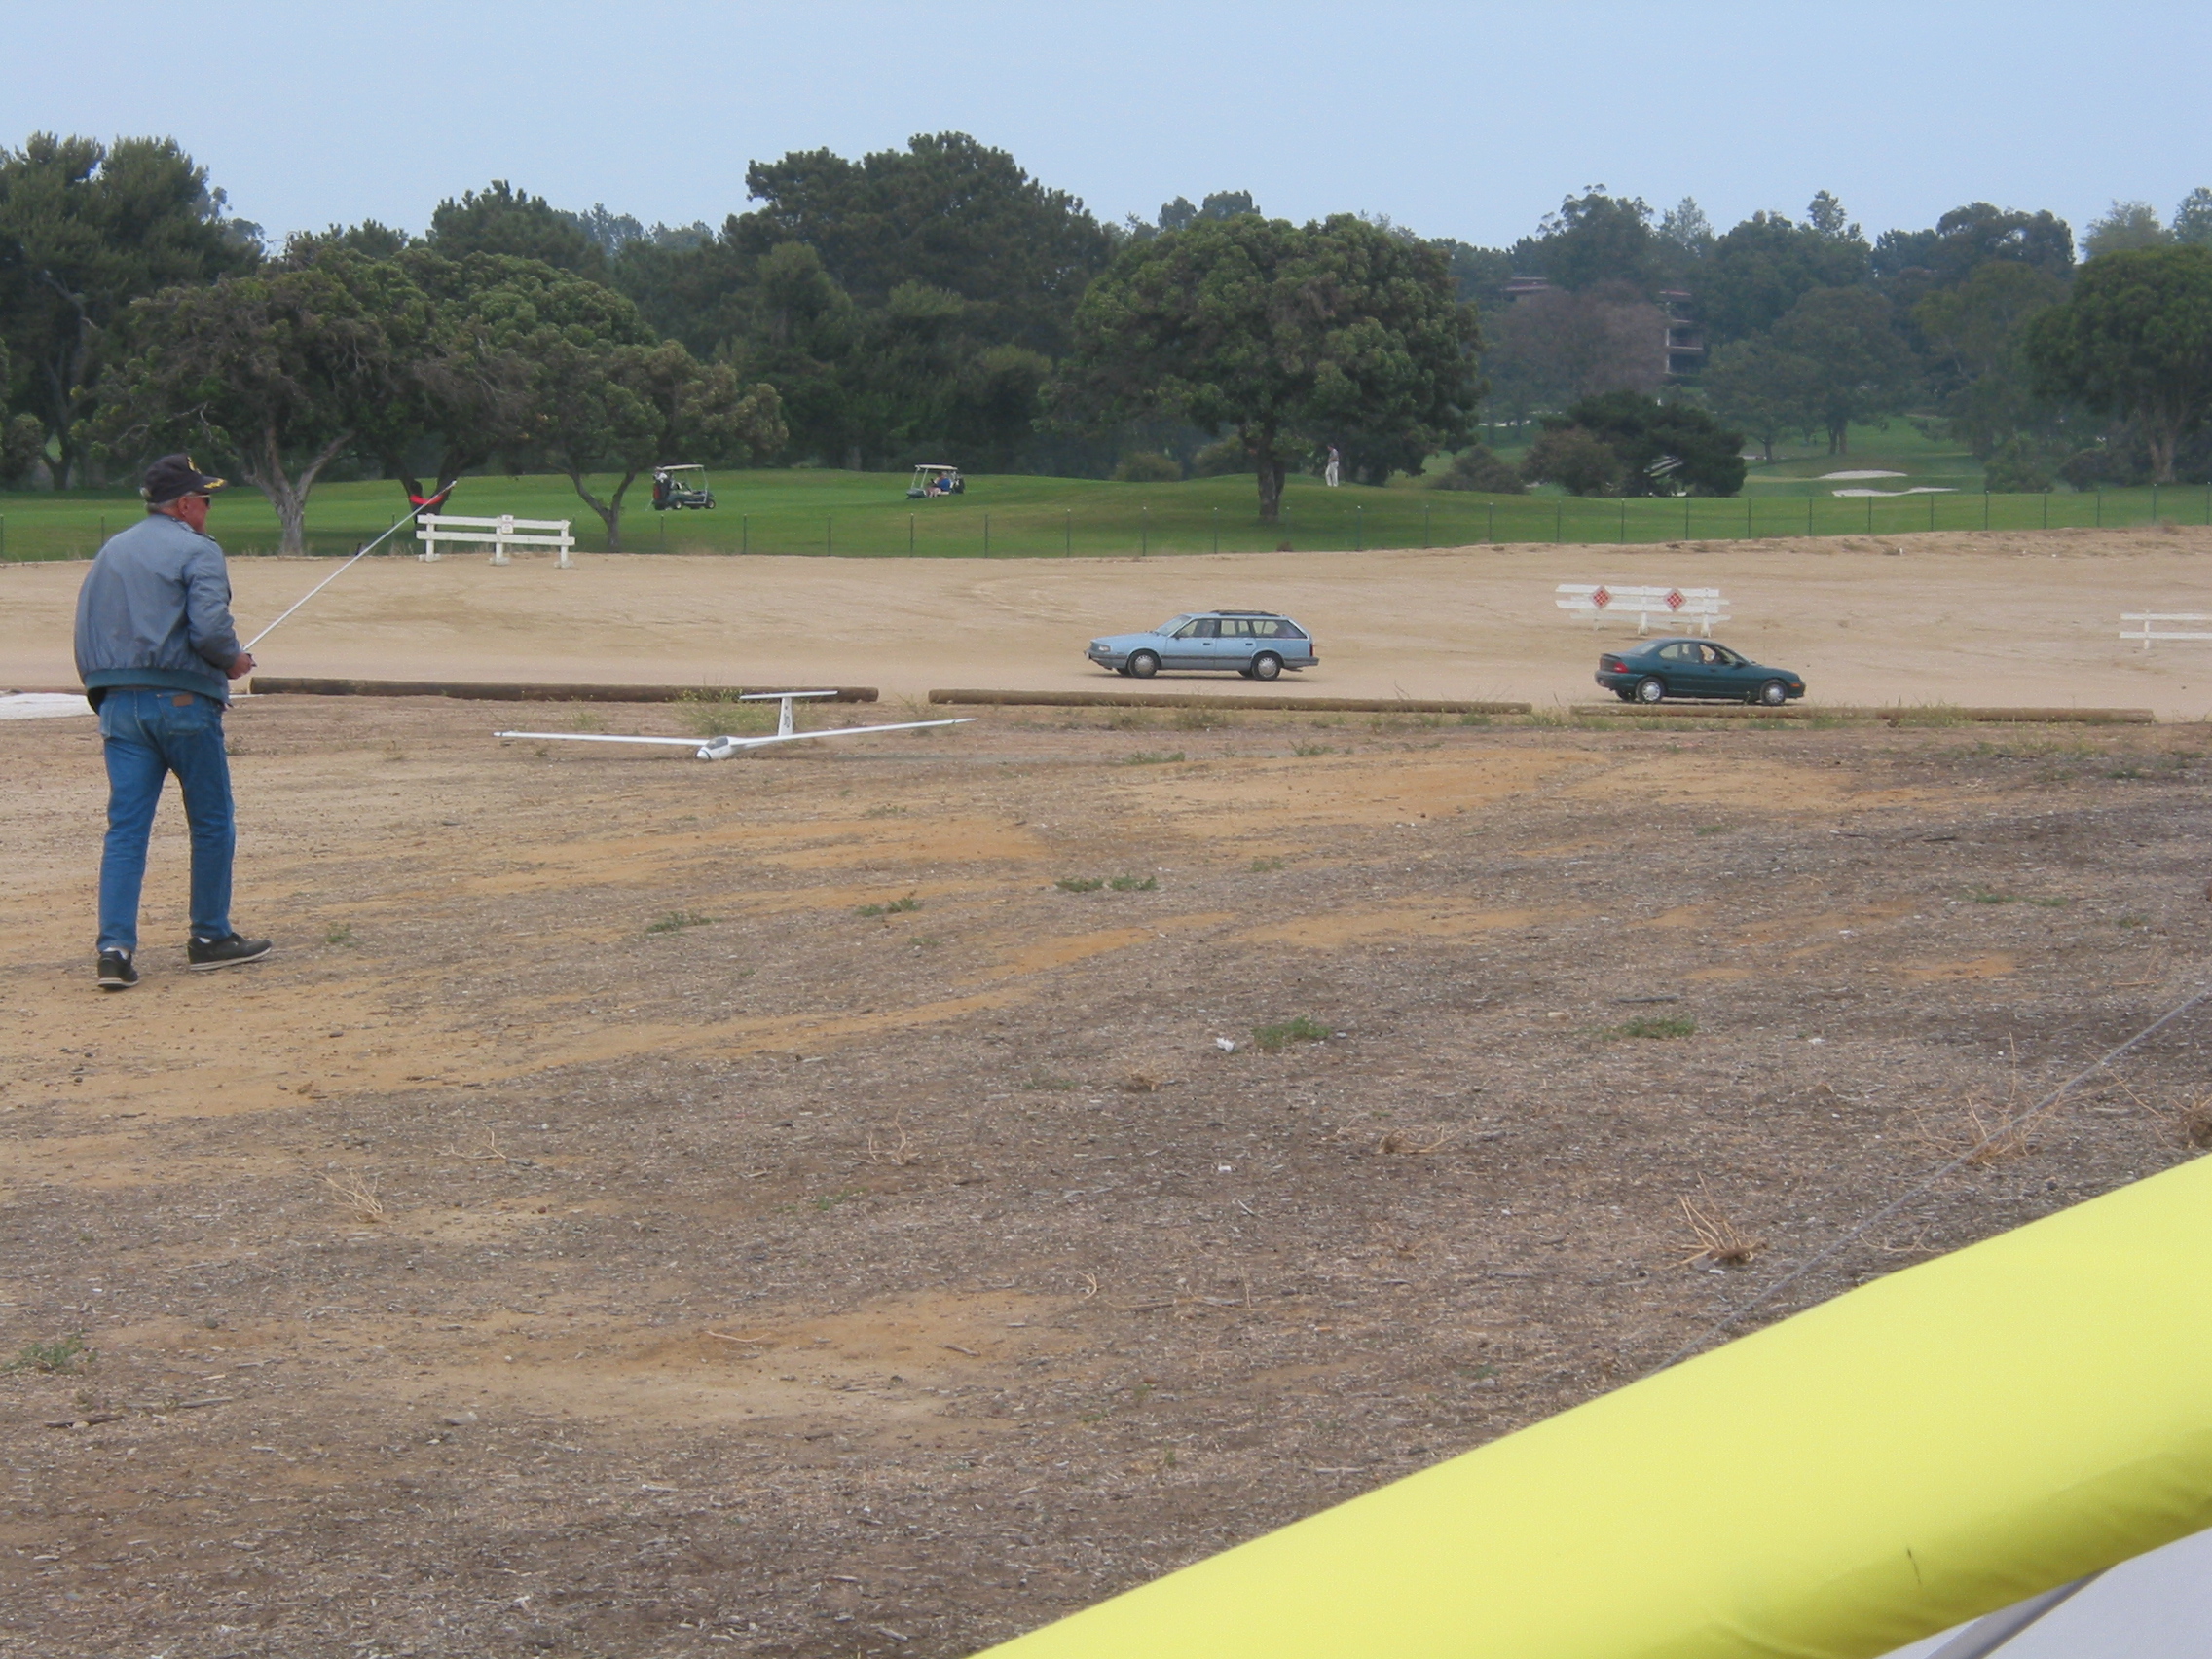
[
  {"x": 116, "y": 971},
  {"x": 205, "y": 954}
]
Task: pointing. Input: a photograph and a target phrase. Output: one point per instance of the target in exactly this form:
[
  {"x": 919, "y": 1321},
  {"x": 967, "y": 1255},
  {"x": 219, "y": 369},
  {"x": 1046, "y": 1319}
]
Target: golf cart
[
  {"x": 936, "y": 481},
  {"x": 684, "y": 486}
]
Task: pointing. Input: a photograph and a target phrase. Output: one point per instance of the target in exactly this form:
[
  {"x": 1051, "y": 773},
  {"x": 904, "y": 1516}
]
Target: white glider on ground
[{"x": 722, "y": 748}]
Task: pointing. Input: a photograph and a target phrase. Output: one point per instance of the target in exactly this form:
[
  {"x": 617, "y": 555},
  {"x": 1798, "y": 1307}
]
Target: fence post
[
  {"x": 2100, "y": 506},
  {"x": 1144, "y": 545},
  {"x": 1623, "y": 538},
  {"x": 1068, "y": 541},
  {"x": 1359, "y": 529},
  {"x": 2153, "y": 502},
  {"x": 909, "y": 535},
  {"x": 1747, "y": 516},
  {"x": 1559, "y": 520},
  {"x": 2047, "y": 508},
  {"x": 3, "y": 535},
  {"x": 829, "y": 535},
  {"x": 1217, "y": 529},
  {"x": 986, "y": 535},
  {"x": 1932, "y": 511},
  {"x": 1985, "y": 507},
  {"x": 1869, "y": 515},
  {"x": 1489, "y": 534},
  {"x": 743, "y": 533},
  {"x": 1425, "y": 509},
  {"x": 1686, "y": 518}
]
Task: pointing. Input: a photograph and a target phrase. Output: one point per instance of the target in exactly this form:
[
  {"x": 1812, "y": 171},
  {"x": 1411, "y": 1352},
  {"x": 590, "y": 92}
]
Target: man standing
[
  {"x": 155, "y": 650},
  {"x": 1333, "y": 471}
]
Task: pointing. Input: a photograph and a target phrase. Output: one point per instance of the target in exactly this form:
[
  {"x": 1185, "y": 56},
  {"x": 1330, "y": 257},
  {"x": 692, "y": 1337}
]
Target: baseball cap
[{"x": 174, "y": 476}]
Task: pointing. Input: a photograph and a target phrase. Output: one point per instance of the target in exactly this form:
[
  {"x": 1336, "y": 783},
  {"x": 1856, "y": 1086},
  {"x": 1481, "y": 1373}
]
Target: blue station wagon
[{"x": 1259, "y": 645}]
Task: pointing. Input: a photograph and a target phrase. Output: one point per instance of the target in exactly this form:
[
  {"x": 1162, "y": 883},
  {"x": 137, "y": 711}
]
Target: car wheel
[
  {"x": 1144, "y": 665},
  {"x": 1774, "y": 693},
  {"x": 1650, "y": 689},
  {"x": 1265, "y": 666}
]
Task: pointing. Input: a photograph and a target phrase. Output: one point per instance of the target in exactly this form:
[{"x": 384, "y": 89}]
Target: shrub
[
  {"x": 1148, "y": 466},
  {"x": 1221, "y": 460},
  {"x": 2019, "y": 466},
  {"x": 1480, "y": 468},
  {"x": 1576, "y": 461}
]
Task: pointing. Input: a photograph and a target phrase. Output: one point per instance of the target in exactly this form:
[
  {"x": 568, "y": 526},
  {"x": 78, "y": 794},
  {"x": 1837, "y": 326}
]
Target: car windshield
[{"x": 1172, "y": 624}]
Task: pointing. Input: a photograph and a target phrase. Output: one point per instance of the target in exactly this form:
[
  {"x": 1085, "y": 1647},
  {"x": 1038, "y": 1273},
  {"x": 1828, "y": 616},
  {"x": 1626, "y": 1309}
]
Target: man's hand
[{"x": 241, "y": 666}]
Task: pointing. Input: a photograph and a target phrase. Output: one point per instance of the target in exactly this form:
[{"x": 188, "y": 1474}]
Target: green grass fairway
[{"x": 867, "y": 515}]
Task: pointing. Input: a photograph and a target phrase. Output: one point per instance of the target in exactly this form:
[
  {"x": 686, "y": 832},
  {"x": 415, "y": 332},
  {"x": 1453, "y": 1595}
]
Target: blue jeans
[{"x": 147, "y": 735}]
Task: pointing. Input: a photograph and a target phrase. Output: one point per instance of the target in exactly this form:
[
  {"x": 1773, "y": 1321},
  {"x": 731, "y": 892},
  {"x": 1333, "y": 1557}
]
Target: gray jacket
[{"x": 155, "y": 610}]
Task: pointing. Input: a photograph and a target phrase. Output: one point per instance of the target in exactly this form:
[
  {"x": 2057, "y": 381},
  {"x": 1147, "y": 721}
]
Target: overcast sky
[{"x": 1469, "y": 121}]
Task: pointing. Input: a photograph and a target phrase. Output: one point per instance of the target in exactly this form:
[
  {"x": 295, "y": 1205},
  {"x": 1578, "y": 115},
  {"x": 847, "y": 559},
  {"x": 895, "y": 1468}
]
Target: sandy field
[
  {"x": 2021, "y": 620},
  {"x": 878, "y": 1198}
]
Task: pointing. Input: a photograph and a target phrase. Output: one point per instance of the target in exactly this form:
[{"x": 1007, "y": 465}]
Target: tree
[
  {"x": 2134, "y": 339},
  {"x": 1550, "y": 347},
  {"x": 1179, "y": 214},
  {"x": 1594, "y": 238},
  {"x": 501, "y": 219},
  {"x": 271, "y": 376},
  {"x": 1909, "y": 263},
  {"x": 1663, "y": 449},
  {"x": 2192, "y": 219},
  {"x": 1768, "y": 262},
  {"x": 467, "y": 390},
  {"x": 2124, "y": 225},
  {"x": 625, "y": 408},
  {"x": 1686, "y": 227},
  {"x": 85, "y": 228},
  {"x": 947, "y": 212},
  {"x": 1762, "y": 387},
  {"x": 1861, "y": 368},
  {"x": 1975, "y": 333},
  {"x": 1295, "y": 337}
]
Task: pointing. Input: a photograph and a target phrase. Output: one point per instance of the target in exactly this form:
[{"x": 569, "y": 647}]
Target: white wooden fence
[
  {"x": 1678, "y": 604},
  {"x": 501, "y": 533},
  {"x": 2146, "y": 632}
]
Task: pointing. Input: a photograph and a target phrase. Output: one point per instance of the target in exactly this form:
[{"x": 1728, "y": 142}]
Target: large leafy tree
[
  {"x": 1762, "y": 387},
  {"x": 501, "y": 219},
  {"x": 946, "y": 211},
  {"x": 2134, "y": 340},
  {"x": 1291, "y": 337},
  {"x": 1861, "y": 368},
  {"x": 85, "y": 230},
  {"x": 268, "y": 376},
  {"x": 1768, "y": 262},
  {"x": 1975, "y": 334},
  {"x": 1545, "y": 349},
  {"x": 621, "y": 408},
  {"x": 1598, "y": 238}
]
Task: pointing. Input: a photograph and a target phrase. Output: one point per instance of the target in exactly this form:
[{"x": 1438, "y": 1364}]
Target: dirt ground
[
  {"x": 807, "y": 1206},
  {"x": 2023, "y": 619}
]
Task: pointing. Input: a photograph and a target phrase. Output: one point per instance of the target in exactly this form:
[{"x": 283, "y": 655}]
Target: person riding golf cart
[
  {"x": 684, "y": 486},
  {"x": 936, "y": 481}
]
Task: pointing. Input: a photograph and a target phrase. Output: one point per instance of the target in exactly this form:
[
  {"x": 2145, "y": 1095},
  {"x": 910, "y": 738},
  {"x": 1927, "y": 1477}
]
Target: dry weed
[
  {"x": 1720, "y": 1242},
  {"x": 897, "y": 1157},
  {"x": 1418, "y": 1144},
  {"x": 359, "y": 1197}
]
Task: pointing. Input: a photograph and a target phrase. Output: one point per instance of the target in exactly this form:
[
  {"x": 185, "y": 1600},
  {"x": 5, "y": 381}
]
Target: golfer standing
[{"x": 156, "y": 652}]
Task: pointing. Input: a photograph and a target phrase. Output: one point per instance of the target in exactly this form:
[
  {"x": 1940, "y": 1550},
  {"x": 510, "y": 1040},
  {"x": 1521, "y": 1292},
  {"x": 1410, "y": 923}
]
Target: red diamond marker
[
  {"x": 1675, "y": 599},
  {"x": 1601, "y": 599}
]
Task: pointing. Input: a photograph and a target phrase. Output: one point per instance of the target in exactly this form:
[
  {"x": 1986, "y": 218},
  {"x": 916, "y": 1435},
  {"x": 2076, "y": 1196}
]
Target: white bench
[
  {"x": 2146, "y": 632},
  {"x": 1600, "y": 600},
  {"x": 501, "y": 533}
]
